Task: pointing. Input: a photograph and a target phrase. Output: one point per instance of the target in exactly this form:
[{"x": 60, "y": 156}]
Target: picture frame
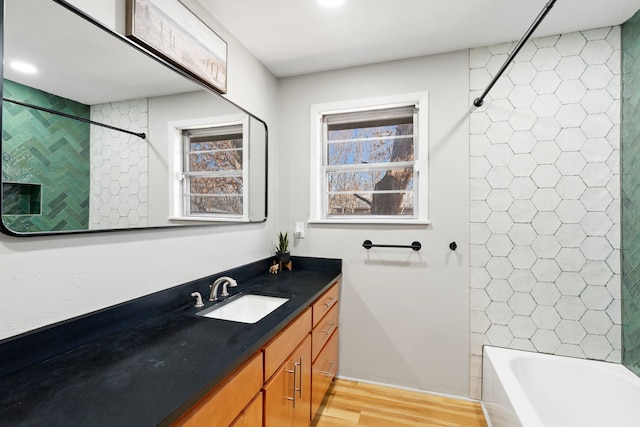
[{"x": 173, "y": 32}]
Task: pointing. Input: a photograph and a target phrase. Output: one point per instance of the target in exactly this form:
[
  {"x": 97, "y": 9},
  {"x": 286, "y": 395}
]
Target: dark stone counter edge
[{"x": 36, "y": 346}]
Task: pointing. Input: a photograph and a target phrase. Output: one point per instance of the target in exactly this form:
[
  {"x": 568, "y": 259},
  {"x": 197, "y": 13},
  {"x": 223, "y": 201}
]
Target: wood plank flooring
[{"x": 351, "y": 404}]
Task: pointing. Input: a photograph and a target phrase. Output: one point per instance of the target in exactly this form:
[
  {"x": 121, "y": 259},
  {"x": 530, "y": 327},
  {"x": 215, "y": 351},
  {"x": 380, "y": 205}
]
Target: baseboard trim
[{"x": 398, "y": 387}]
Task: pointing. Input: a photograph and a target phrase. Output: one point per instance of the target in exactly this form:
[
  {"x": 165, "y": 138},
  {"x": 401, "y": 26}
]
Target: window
[
  {"x": 213, "y": 173},
  {"x": 369, "y": 160}
]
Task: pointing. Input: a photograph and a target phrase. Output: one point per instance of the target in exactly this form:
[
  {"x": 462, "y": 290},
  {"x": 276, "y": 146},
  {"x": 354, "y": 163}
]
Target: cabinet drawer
[
  {"x": 279, "y": 348},
  {"x": 252, "y": 415},
  {"x": 322, "y": 332},
  {"x": 223, "y": 404},
  {"x": 323, "y": 371},
  {"x": 323, "y": 304}
]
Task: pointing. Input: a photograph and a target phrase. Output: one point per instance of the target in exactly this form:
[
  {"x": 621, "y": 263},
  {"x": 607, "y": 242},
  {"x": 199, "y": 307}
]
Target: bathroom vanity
[
  {"x": 288, "y": 377},
  {"x": 153, "y": 361}
]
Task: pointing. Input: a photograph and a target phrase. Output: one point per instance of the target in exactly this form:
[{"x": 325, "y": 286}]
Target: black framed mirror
[{"x": 97, "y": 136}]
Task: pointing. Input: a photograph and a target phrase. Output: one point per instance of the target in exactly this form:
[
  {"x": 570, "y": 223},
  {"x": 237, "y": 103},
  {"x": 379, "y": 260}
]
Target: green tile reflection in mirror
[
  {"x": 21, "y": 198},
  {"x": 32, "y": 141}
]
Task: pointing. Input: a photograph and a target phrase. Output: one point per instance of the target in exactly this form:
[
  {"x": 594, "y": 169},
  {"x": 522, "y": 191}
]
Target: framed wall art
[{"x": 173, "y": 32}]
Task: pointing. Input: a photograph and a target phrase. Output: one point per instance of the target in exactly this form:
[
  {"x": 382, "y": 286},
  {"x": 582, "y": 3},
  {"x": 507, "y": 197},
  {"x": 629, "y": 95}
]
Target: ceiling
[
  {"x": 299, "y": 36},
  {"x": 92, "y": 69}
]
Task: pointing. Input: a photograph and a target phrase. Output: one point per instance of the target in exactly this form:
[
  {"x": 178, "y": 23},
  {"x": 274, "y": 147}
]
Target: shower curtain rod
[
  {"x": 480, "y": 100},
  {"x": 69, "y": 116}
]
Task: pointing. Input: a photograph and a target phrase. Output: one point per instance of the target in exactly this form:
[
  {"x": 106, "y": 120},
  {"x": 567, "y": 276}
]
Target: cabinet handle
[
  {"x": 300, "y": 389},
  {"x": 328, "y": 373},
  {"x": 294, "y": 372},
  {"x": 329, "y": 328},
  {"x": 332, "y": 300}
]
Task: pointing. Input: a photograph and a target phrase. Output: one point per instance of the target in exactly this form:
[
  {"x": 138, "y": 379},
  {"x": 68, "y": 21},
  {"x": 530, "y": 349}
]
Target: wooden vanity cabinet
[
  {"x": 314, "y": 362},
  {"x": 283, "y": 384},
  {"x": 225, "y": 402},
  {"x": 287, "y": 375},
  {"x": 324, "y": 330},
  {"x": 324, "y": 345},
  {"x": 280, "y": 348},
  {"x": 323, "y": 372},
  {"x": 287, "y": 395},
  {"x": 252, "y": 415},
  {"x": 325, "y": 302}
]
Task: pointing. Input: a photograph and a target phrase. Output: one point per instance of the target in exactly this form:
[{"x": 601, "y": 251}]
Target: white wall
[
  {"x": 47, "y": 279},
  {"x": 404, "y": 314},
  {"x": 165, "y": 111}
]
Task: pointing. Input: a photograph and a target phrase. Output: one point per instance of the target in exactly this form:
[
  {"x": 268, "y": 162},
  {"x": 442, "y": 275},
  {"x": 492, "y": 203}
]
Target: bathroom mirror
[{"x": 103, "y": 135}]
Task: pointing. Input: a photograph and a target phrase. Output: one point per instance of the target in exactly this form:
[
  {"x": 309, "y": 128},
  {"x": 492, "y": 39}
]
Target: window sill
[
  {"x": 369, "y": 221},
  {"x": 205, "y": 219}
]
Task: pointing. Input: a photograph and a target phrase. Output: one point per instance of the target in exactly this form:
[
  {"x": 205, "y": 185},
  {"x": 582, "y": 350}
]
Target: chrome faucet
[{"x": 226, "y": 281}]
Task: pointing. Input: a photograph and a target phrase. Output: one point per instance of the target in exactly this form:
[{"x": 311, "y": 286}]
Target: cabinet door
[
  {"x": 278, "y": 397},
  {"x": 302, "y": 356},
  {"x": 287, "y": 395}
]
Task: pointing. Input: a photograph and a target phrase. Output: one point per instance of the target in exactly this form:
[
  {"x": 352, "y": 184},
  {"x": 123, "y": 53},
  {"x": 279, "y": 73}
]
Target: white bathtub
[{"x": 524, "y": 389}]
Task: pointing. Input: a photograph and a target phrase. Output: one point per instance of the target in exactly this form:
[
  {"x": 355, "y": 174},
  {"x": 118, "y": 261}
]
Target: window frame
[
  {"x": 180, "y": 209},
  {"x": 318, "y": 167}
]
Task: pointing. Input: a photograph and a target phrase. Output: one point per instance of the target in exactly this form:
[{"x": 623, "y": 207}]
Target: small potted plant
[{"x": 282, "y": 248}]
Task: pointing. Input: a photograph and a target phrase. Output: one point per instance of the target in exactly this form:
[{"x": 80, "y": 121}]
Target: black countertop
[{"x": 149, "y": 373}]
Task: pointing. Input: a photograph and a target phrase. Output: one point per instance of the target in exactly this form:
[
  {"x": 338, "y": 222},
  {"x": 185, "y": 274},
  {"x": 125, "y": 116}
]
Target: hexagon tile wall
[
  {"x": 545, "y": 198},
  {"x": 119, "y": 166}
]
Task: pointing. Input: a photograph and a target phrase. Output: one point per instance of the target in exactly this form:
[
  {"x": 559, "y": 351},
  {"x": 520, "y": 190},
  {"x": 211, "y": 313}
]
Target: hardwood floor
[{"x": 350, "y": 404}]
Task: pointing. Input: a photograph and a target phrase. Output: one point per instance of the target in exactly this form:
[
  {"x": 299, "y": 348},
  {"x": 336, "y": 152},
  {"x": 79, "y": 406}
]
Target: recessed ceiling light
[
  {"x": 23, "y": 67},
  {"x": 331, "y": 3}
]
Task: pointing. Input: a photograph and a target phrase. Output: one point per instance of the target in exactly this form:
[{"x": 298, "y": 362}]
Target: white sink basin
[{"x": 246, "y": 309}]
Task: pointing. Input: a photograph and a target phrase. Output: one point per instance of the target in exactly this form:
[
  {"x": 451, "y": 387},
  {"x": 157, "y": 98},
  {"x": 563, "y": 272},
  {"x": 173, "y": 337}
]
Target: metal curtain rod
[
  {"x": 479, "y": 101},
  {"x": 416, "y": 246},
  {"x": 69, "y": 116}
]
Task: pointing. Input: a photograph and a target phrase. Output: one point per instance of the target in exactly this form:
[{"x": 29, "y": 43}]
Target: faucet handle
[{"x": 198, "y": 298}]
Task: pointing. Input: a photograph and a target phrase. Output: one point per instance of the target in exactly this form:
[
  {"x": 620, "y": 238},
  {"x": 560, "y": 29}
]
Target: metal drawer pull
[
  {"x": 329, "y": 328},
  {"x": 300, "y": 389},
  {"x": 331, "y": 302},
  {"x": 328, "y": 373},
  {"x": 294, "y": 372}
]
